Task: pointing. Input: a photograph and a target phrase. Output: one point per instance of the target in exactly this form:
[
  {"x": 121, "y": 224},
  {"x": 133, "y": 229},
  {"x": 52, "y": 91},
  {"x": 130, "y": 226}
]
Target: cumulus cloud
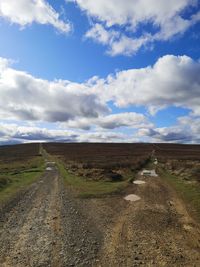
[
  {"x": 12, "y": 133},
  {"x": 112, "y": 121},
  {"x": 105, "y": 137},
  {"x": 25, "y": 12},
  {"x": 171, "y": 81},
  {"x": 22, "y": 134},
  {"x": 187, "y": 130},
  {"x": 101, "y": 35},
  {"x": 118, "y": 43},
  {"x": 25, "y": 97},
  {"x": 165, "y": 17},
  {"x": 130, "y": 119}
]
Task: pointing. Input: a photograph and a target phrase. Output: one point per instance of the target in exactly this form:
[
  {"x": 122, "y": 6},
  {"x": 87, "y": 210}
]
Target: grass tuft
[
  {"x": 18, "y": 175},
  {"x": 89, "y": 189},
  {"x": 189, "y": 192}
]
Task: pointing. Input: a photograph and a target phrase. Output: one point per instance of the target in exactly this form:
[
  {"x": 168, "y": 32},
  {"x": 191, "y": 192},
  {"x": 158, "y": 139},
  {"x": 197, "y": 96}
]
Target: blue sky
[{"x": 109, "y": 71}]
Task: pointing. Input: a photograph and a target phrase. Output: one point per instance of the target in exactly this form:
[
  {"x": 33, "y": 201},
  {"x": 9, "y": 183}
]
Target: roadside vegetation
[
  {"x": 189, "y": 192},
  {"x": 17, "y": 175},
  {"x": 96, "y": 170},
  {"x": 87, "y": 188}
]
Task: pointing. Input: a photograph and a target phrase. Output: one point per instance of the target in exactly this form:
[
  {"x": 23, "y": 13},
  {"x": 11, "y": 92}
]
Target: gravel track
[
  {"x": 155, "y": 231},
  {"x": 46, "y": 228}
]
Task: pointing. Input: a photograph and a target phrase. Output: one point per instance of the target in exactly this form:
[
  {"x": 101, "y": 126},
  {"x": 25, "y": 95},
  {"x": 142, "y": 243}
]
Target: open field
[
  {"x": 115, "y": 162},
  {"x": 74, "y": 213},
  {"x": 177, "y": 151},
  {"x": 88, "y": 188},
  {"x": 101, "y": 155},
  {"x": 13, "y": 153},
  {"x": 113, "y": 154},
  {"x": 99, "y": 169}
]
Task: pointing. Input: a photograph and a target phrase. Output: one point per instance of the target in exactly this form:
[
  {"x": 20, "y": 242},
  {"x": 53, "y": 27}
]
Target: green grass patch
[
  {"x": 87, "y": 189},
  {"x": 18, "y": 175},
  {"x": 190, "y": 193}
]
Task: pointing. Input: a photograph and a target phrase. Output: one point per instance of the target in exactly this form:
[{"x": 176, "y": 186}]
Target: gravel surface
[
  {"x": 45, "y": 227},
  {"x": 152, "y": 231}
]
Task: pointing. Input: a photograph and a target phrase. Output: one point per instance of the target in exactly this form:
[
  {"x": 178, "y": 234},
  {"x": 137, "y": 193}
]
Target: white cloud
[
  {"x": 27, "y": 134},
  {"x": 25, "y": 97},
  {"x": 112, "y": 121},
  {"x": 166, "y": 17},
  {"x": 12, "y": 133},
  {"x": 25, "y": 12},
  {"x": 187, "y": 130},
  {"x": 133, "y": 12},
  {"x": 129, "y": 119},
  {"x": 128, "y": 46},
  {"x": 101, "y": 35},
  {"x": 118, "y": 43},
  {"x": 172, "y": 81},
  {"x": 105, "y": 137}
]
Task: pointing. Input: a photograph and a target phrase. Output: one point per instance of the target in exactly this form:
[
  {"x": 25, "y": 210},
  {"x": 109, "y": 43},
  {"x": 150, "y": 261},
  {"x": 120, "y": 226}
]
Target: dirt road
[
  {"x": 153, "y": 231},
  {"x": 45, "y": 228}
]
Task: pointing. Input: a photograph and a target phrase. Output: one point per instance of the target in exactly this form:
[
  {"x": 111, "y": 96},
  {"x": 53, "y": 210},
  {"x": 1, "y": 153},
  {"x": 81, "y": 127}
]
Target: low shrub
[{"x": 4, "y": 181}]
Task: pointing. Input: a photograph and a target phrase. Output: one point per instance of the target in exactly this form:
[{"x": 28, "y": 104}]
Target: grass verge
[
  {"x": 18, "y": 175},
  {"x": 87, "y": 189},
  {"x": 190, "y": 193}
]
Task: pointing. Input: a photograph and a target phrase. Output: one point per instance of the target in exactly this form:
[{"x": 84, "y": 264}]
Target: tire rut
[
  {"x": 34, "y": 240},
  {"x": 151, "y": 232}
]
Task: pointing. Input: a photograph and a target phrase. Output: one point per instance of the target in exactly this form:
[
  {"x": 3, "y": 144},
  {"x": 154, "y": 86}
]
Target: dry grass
[
  {"x": 86, "y": 189},
  {"x": 189, "y": 192},
  {"x": 19, "y": 167}
]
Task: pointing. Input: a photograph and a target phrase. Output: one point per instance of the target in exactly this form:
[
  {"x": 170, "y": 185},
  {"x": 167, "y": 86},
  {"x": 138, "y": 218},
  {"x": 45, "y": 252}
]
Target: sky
[{"x": 99, "y": 71}]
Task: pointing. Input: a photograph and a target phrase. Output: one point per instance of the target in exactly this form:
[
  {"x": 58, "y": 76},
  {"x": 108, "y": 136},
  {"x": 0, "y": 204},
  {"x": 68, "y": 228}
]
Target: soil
[
  {"x": 48, "y": 226},
  {"x": 157, "y": 230}
]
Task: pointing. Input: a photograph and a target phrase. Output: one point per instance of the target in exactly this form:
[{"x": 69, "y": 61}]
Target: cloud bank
[
  {"x": 25, "y": 97},
  {"x": 12, "y": 133},
  {"x": 187, "y": 130},
  {"x": 112, "y": 121},
  {"x": 171, "y": 81}
]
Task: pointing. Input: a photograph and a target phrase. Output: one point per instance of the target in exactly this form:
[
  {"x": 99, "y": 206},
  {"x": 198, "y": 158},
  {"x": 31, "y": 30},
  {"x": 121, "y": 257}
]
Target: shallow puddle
[
  {"x": 49, "y": 169},
  {"x": 132, "y": 197},
  {"x": 139, "y": 182},
  {"x": 151, "y": 173}
]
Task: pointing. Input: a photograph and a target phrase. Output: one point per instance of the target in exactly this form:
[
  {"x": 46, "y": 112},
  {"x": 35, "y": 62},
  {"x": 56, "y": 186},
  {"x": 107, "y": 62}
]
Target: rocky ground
[
  {"x": 47, "y": 226},
  {"x": 154, "y": 231}
]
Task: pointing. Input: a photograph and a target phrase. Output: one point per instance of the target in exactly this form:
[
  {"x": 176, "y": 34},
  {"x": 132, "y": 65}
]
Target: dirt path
[
  {"x": 30, "y": 235},
  {"x": 48, "y": 226},
  {"x": 154, "y": 231},
  {"x": 45, "y": 228}
]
